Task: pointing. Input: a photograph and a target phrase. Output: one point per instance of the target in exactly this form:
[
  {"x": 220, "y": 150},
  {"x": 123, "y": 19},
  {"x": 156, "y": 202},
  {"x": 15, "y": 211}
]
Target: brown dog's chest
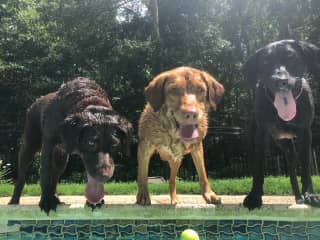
[{"x": 172, "y": 149}]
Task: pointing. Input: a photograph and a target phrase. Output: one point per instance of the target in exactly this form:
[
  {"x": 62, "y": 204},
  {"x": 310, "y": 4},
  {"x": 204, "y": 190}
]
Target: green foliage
[{"x": 44, "y": 43}]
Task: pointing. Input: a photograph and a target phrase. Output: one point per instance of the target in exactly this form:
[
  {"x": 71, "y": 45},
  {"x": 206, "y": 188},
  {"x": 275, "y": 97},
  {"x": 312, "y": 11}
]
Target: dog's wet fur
[
  {"x": 77, "y": 119},
  {"x": 280, "y": 74},
  {"x": 174, "y": 123}
]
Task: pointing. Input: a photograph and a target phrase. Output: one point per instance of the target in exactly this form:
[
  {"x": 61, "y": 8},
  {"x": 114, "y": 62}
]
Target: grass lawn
[{"x": 272, "y": 186}]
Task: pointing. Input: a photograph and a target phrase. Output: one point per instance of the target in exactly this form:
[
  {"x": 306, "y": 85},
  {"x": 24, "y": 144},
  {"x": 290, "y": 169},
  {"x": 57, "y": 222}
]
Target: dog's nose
[
  {"x": 190, "y": 115},
  {"x": 282, "y": 83}
]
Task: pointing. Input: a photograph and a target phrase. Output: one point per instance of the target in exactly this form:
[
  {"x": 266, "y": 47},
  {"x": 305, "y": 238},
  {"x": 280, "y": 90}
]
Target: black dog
[
  {"x": 283, "y": 110},
  {"x": 79, "y": 119}
]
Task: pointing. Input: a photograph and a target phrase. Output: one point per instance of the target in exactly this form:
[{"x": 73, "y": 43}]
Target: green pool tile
[
  {"x": 70, "y": 236},
  {"x": 55, "y": 235},
  {"x": 59, "y": 222},
  {"x": 284, "y": 236},
  {"x": 241, "y": 236},
  {"x": 255, "y": 236},
  {"x": 196, "y": 227},
  {"x": 27, "y": 228},
  {"x": 97, "y": 236},
  {"x": 226, "y": 236},
  {"x": 239, "y": 228},
  {"x": 213, "y": 228},
  {"x": 110, "y": 235},
  {"x": 56, "y": 229},
  {"x": 154, "y": 236},
  {"x": 269, "y": 228},
  {"x": 284, "y": 228},
  {"x": 154, "y": 228},
  {"x": 296, "y": 236},
  {"x": 168, "y": 228},
  {"x": 141, "y": 228},
  {"x": 225, "y": 228},
  {"x": 268, "y": 236},
  {"x": 254, "y": 229},
  {"x": 125, "y": 228},
  {"x": 181, "y": 227},
  {"x": 313, "y": 224},
  {"x": 41, "y": 228},
  {"x": 169, "y": 236},
  {"x": 113, "y": 228},
  {"x": 212, "y": 236},
  {"x": 40, "y": 236},
  {"x": 141, "y": 236}
]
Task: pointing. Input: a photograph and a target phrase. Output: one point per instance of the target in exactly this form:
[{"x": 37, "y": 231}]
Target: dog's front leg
[
  {"x": 289, "y": 149},
  {"x": 174, "y": 168},
  {"x": 254, "y": 198},
  {"x": 198, "y": 160},
  {"x": 48, "y": 182},
  {"x": 145, "y": 151}
]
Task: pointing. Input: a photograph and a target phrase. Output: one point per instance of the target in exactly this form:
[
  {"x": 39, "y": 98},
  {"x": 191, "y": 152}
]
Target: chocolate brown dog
[
  {"x": 79, "y": 119},
  {"x": 174, "y": 123}
]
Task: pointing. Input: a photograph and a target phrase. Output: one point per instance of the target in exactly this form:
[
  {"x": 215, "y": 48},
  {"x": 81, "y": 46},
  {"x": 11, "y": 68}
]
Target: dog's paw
[
  {"x": 252, "y": 201},
  {"x": 143, "y": 198},
  {"x": 48, "y": 203},
  {"x": 311, "y": 199},
  {"x": 211, "y": 197},
  {"x": 13, "y": 201}
]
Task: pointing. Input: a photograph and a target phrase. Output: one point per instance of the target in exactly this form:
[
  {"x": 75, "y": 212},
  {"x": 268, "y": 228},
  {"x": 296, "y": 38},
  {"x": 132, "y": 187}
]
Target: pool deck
[{"x": 184, "y": 200}]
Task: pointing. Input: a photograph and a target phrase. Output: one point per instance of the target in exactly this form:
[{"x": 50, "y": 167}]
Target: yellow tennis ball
[{"x": 189, "y": 234}]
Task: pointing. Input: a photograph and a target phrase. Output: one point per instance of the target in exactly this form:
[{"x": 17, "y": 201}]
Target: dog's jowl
[
  {"x": 77, "y": 119},
  {"x": 281, "y": 74}
]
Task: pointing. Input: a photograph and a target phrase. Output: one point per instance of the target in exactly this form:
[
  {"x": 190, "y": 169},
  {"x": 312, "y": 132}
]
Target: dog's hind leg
[{"x": 31, "y": 142}]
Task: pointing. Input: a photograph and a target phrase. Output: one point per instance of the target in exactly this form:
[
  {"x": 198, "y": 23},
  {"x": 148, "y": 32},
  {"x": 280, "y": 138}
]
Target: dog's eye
[{"x": 174, "y": 90}]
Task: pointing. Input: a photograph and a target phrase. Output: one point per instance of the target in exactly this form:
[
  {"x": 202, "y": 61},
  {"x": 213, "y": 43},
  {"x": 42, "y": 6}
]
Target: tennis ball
[{"x": 189, "y": 234}]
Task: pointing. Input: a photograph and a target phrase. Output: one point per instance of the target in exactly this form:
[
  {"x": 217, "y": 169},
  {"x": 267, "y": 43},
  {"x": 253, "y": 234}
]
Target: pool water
[{"x": 148, "y": 223}]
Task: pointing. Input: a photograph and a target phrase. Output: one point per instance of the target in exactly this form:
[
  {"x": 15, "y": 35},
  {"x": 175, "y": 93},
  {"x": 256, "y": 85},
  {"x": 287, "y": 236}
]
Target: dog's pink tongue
[
  {"x": 189, "y": 131},
  {"x": 285, "y": 105},
  {"x": 94, "y": 191}
]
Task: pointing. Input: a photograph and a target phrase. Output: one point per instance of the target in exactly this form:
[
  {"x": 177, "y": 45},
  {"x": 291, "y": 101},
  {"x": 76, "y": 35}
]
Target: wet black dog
[
  {"x": 283, "y": 110},
  {"x": 79, "y": 119}
]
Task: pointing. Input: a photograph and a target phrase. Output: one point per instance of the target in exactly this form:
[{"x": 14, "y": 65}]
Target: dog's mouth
[
  {"x": 188, "y": 132},
  {"x": 94, "y": 191}
]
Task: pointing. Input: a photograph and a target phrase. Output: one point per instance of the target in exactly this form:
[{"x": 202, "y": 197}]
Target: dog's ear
[
  {"x": 311, "y": 55},
  {"x": 70, "y": 131},
  {"x": 154, "y": 92},
  {"x": 250, "y": 69},
  {"x": 215, "y": 90}
]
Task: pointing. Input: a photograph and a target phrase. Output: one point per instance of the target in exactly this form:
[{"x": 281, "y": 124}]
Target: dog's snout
[
  {"x": 190, "y": 115},
  {"x": 282, "y": 83}
]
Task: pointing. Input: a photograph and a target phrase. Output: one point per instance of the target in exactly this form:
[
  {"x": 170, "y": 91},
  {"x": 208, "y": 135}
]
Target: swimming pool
[{"x": 159, "y": 222}]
